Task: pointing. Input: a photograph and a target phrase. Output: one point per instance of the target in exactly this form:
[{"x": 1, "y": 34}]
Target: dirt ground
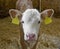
[{"x": 49, "y": 35}]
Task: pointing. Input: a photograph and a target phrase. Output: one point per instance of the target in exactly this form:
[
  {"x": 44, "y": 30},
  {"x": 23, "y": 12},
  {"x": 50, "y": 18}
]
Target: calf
[{"x": 30, "y": 20}]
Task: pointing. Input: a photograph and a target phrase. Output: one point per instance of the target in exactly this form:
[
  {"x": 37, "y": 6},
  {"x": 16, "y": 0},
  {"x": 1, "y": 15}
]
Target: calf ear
[
  {"x": 13, "y": 13},
  {"x": 48, "y": 13}
]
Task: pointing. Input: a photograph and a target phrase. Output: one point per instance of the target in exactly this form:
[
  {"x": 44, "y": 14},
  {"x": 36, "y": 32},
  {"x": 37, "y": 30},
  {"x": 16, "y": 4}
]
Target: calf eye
[
  {"x": 38, "y": 21},
  {"x": 22, "y": 21}
]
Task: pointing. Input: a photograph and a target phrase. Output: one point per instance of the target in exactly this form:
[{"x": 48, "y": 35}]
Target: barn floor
[{"x": 49, "y": 34}]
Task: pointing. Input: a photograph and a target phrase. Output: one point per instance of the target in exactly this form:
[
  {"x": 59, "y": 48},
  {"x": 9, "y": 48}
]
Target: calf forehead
[{"x": 31, "y": 13}]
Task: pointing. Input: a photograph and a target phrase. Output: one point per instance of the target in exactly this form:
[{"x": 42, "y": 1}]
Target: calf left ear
[
  {"x": 15, "y": 16},
  {"x": 48, "y": 13},
  {"x": 13, "y": 13}
]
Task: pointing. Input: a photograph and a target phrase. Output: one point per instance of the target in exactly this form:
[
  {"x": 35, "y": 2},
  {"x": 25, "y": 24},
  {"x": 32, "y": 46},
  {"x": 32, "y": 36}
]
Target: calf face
[
  {"x": 31, "y": 20},
  {"x": 31, "y": 24}
]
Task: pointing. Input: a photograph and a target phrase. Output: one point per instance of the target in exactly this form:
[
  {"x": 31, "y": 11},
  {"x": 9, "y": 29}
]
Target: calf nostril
[
  {"x": 27, "y": 36},
  {"x": 33, "y": 35},
  {"x": 30, "y": 35}
]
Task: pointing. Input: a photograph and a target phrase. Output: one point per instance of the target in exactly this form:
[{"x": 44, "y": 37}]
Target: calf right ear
[
  {"x": 48, "y": 13},
  {"x": 13, "y": 13}
]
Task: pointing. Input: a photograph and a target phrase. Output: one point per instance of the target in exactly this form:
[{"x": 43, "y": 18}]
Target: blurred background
[
  {"x": 50, "y": 34},
  {"x": 5, "y": 5}
]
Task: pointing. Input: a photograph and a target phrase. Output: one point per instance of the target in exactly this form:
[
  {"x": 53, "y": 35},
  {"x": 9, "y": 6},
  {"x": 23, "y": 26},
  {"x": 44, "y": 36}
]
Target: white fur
[{"x": 30, "y": 25}]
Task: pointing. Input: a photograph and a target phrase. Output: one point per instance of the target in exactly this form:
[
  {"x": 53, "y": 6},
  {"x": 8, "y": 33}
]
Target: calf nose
[{"x": 30, "y": 36}]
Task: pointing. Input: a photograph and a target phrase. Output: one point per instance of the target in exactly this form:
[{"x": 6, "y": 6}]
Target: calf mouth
[{"x": 31, "y": 40}]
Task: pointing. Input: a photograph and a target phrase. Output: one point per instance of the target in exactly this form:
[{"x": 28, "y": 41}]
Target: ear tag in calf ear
[
  {"x": 47, "y": 20},
  {"x": 15, "y": 20}
]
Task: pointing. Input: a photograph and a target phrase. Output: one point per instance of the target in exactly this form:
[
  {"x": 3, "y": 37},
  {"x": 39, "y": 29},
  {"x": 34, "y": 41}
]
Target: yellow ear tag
[
  {"x": 47, "y": 20},
  {"x": 15, "y": 20}
]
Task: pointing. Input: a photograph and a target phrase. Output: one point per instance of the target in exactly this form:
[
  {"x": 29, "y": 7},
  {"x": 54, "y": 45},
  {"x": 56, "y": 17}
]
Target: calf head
[{"x": 31, "y": 20}]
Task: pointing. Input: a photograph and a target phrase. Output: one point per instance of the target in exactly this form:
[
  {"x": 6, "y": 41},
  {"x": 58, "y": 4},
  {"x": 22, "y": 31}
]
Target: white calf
[{"x": 31, "y": 20}]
